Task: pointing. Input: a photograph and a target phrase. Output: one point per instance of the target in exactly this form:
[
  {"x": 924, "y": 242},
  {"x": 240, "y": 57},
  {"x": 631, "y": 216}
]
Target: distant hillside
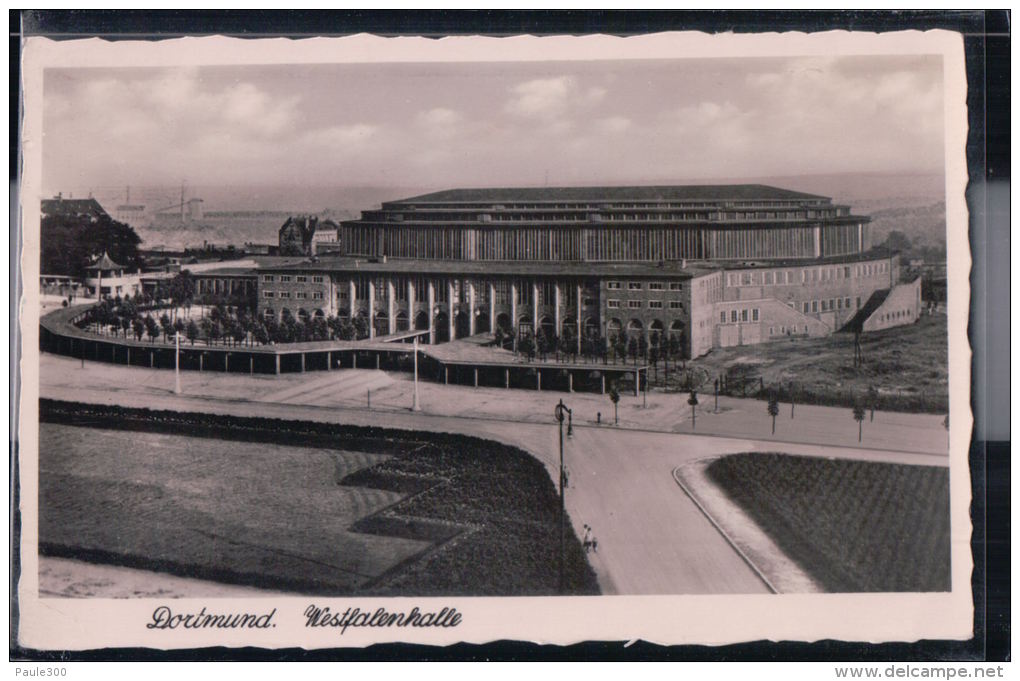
[
  {"x": 235, "y": 215},
  {"x": 924, "y": 225},
  {"x": 225, "y": 228},
  {"x": 913, "y": 204}
]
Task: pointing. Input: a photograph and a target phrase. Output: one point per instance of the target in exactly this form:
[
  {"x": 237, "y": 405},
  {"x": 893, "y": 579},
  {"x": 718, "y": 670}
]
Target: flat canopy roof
[
  {"x": 706, "y": 192},
  {"x": 225, "y": 272},
  {"x": 409, "y": 266},
  {"x": 765, "y": 263}
]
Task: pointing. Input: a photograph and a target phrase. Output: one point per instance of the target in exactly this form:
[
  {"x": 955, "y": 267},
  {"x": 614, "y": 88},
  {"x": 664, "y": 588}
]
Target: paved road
[{"x": 652, "y": 538}]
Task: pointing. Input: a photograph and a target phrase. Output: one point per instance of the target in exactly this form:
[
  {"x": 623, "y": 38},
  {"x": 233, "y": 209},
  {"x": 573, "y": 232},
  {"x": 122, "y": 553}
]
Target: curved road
[{"x": 652, "y": 538}]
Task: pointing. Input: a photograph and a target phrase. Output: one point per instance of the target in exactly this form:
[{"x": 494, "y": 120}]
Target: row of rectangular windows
[
  {"x": 806, "y": 275},
  {"x": 830, "y": 305},
  {"x": 808, "y": 307},
  {"x": 652, "y": 304},
  {"x": 284, "y": 278},
  {"x": 733, "y": 279},
  {"x": 316, "y": 295},
  {"x": 739, "y": 315},
  {"x": 899, "y": 314},
  {"x": 637, "y": 286}
]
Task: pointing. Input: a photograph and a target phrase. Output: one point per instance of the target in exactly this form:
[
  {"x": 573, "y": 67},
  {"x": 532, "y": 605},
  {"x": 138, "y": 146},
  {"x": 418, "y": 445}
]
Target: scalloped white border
[{"x": 96, "y": 623}]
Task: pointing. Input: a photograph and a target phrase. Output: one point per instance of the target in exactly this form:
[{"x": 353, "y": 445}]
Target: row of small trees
[
  {"x": 860, "y": 408},
  {"x": 593, "y": 347},
  {"x": 229, "y": 325}
]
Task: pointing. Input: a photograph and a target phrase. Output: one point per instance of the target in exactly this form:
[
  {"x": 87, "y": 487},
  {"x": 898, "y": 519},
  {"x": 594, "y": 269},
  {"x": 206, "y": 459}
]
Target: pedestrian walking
[{"x": 586, "y": 542}]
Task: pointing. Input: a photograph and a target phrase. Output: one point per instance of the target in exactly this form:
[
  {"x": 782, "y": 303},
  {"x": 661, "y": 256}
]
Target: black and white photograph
[{"x": 361, "y": 346}]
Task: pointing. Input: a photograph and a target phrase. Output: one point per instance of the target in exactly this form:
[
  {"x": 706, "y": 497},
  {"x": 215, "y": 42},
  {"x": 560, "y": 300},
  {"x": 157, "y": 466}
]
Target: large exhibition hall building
[{"x": 714, "y": 266}]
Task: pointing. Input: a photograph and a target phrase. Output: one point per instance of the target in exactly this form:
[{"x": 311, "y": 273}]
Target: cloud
[
  {"x": 594, "y": 95},
  {"x": 713, "y": 126},
  {"x": 438, "y": 117},
  {"x": 439, "y": 122},
  {"x": 505, "y": 124},
  {"x": 613, "y": 125},
  {"x": 174, "y": 124},
  {"x": 851, "y": 109},
  {"x": 541, "y": 98},
  {"x": 340, "y": 137},
  {"x": 245, "y": 105}
]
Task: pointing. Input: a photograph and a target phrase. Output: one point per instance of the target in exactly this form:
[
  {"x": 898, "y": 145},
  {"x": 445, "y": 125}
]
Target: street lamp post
[
  {"x": 414, "y": 403},
  {"x": 562, "y": 412},
  {"x": 177, "y": 363}
]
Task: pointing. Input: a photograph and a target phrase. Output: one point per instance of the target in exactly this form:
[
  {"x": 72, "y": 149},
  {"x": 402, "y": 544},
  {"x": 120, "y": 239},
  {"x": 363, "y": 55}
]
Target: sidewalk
[
  {"x": 393, "y": 392},
  {"x": 652, "y": 538}
]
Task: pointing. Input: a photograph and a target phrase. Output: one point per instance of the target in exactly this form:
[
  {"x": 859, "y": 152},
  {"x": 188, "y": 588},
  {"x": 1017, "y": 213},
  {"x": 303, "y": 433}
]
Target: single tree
[
  {"x": 215, "y": 330},
  {"x": 360, "y": 327},
  {"x": 260, "y": 333},
  {"x": 239, "y": 332},
  {"x": 151, "y": 328},
  {"x": 567, "y": 344},
  {"x": 333, "y": 324},
  {"x": 620, "y": 346},
  {"x": 872, "y": 400},
  {"x": 125, "y": 324},
  {"x": 676, "y": 345},
  {"x": 138, "y": 326},
  {"x": 693, "y": 401},
  {"x": 167, "y": 325},
  {"x": 614, "y": 397},
  {"x": 205, "y": 324},
  {"x": 191, "y": 331},
  {"x": 859, "y": 413},
  {"x": 128, "y": 309},
  {"x": 773, "y": 410},
  {"x": 181, "y": 291},
  {"x": 320, "y": 330},
  {"x": 542, "y": 343},
  {"x": 792, "y": 399}
]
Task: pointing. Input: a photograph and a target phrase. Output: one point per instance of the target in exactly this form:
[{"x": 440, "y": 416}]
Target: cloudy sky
[{"x": 492, "y": 123}]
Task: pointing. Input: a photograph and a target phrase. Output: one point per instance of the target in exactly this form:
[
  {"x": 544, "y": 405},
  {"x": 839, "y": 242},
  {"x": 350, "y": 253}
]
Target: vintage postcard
[{"x": 332, "y": 342}]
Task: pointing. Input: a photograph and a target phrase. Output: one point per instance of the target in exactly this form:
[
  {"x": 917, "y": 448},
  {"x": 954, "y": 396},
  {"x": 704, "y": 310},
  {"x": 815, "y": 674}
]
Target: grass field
[
  {"x": 229, "y": 511},
  {"x": 510, "y": 529},
  {"x": 854, "y": 526},
  {"x": 909, "y": 366},
  {"x": 357, "y": 511}
]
